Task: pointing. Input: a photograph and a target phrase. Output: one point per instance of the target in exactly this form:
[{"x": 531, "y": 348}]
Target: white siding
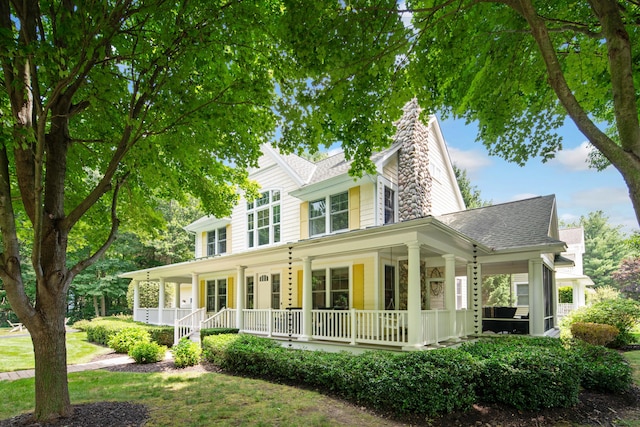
[
  {"x": 367, "y": 204},
  {"x": 270, "y": 177},
  {"x": 444, "y": 186},
  {"x": 390, "y": 170}
]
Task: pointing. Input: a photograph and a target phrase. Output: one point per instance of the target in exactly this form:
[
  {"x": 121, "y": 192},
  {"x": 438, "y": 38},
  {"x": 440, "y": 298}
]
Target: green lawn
[
  {"x": 634, "y": 359},
  {"x": 17, "y": 353},
  {"x": 197, "y": 399}
]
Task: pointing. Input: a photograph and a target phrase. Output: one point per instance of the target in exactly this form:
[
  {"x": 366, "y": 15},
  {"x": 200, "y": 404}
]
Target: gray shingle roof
[{"x": 519, "y": 224}]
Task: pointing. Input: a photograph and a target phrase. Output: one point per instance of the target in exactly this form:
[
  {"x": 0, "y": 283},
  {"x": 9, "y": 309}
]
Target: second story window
[
  {"x": 217, "y": 241},
  {"x": 263, "y": 219},
  {"x": 337, "y": 217},
  {"x": 389, "y": 205}
]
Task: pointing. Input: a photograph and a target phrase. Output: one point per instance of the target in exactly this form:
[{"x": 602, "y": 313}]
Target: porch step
[{"x": 195, "y": 336}]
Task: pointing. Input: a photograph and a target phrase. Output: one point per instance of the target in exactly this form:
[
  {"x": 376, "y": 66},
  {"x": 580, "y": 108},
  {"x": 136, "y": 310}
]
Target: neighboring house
[
  {"x": 391, "y": 258},
  {"x": 572, "y": 274}
]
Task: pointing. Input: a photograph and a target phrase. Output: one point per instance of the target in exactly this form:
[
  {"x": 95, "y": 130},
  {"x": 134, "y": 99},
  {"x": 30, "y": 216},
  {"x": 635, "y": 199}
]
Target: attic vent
[{"x": 263, "y": 278}]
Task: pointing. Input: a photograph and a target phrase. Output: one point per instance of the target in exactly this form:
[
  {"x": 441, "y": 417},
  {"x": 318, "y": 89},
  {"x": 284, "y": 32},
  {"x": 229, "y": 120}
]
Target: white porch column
[
  {"x": 414, "y": 333},
  {"x": 136, "y": 299},
  {"x": 307, "y": 299},
  {"x": 176, "y": 296},
  {"x": 578, "y": 295},
  {"x": 536, "y": 298},
  {"x": 195, "y": 292},
  {"x": 240, "y": 297},
  {"x": 161, "y": 296},
  {"x": 450, "y": 291}
]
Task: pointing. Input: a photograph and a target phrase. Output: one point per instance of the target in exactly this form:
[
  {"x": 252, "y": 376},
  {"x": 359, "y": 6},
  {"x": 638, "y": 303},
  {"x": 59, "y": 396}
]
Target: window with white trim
[
  {"x": 249, "y": 303},
  {"x": 337, "y": 217},
  {"x": 330, "y": 288},
  {"x": 522, "y": 294},
  {"x": 387, "y": 201},
  {"x": 217, "y": 241},
  {"x": 216, "y": 294},
  {"x": 263, "y": 219},
  {"x": 275, "y": 291}
]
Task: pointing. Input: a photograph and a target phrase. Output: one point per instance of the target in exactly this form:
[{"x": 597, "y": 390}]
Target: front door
[{"x": 263, "y": 291}]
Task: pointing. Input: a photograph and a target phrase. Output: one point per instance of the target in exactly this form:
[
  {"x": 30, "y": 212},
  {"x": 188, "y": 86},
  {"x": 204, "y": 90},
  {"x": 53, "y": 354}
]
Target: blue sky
[{"x": 578, "y": 188}]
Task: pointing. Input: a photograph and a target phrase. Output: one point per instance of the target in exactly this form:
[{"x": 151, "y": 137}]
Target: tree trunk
[
  {"x": 96, "y": 310},
  {"x": 103, "y": 306},
  {"x": 49, "y": 347}
]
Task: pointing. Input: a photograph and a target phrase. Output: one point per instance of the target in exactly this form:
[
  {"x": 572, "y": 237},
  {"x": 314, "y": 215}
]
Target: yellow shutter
[
  {"x": 299, "y": 288},
  {"x": 304, "y": 220},
  {"x": 358, "y": 286},
  {"x": 201, "y": 297},
  {"x": 231, "y": 294},
  {"x": 228, "y": 238},
  {"x": 354, "y": 208}
]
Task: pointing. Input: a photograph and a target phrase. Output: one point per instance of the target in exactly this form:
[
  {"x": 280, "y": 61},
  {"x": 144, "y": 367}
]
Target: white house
[
  {"x": 572, "y": 274},
  {"x": 391, "y": 258}
]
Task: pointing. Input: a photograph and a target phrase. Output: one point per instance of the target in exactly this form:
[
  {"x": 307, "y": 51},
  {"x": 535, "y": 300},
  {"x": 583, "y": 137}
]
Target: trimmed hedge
[
  {"x": 101, "y": 329},
  {"x": 125, "y": 339},
  {"x": 594, "y": 333},
  {"x": 217, "y": 331},
  {"x": 526, "y": 373}
]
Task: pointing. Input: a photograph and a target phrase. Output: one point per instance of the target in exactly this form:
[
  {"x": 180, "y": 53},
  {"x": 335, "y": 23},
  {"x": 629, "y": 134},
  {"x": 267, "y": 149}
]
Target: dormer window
[
  {"x": 263, "y": 219},
  {"x": 217, "y": 241},
  {"x": 337, "y": 219}
]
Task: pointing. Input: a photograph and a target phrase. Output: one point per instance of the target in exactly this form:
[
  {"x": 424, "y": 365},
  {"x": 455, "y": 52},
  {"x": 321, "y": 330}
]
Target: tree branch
[{"x": 112, "y": 235}]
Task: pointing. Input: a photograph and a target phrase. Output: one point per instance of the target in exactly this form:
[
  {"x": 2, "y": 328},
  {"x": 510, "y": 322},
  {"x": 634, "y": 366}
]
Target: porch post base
[{"x": 414, "y": 347}]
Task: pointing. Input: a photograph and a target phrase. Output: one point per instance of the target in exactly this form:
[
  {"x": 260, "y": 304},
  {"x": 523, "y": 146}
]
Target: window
[
  {"x": 275, "y": 291},
  {"x": 389, "y": 287},
  {"x": 389, "y": 205},
  {"x": 332, "y": 293},
  {"x": 319, "y": 288},
  {"x": 216, "y": 294},
  {"x": 522, "y": 294},
  {"x": 250, "y": 293},
  {"x": 337, "y": 219},
  {"x": 461, "y": 293},
  {"x": 340, "y": 287},
  {"x": 387, "y": 201},
  {"x": 263, "y": 219},
  {"x": 217, "y": 241}
]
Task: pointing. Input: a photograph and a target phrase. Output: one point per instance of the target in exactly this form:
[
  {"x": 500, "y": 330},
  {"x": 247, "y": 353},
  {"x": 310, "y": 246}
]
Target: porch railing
[
  {"x": 188, "y": 324},
  {"x": 152, "y": 316},
  {"x": 272, "y": 322},
  {"x": 225, "y": 318},
  {"x": 564, "y": 309}
]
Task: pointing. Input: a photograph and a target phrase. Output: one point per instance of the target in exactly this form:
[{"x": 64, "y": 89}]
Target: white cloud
[
  {"x": 574, "y": 159},
  {"x": 471, "y": 160},
  {"x": 600, "y": 198}
]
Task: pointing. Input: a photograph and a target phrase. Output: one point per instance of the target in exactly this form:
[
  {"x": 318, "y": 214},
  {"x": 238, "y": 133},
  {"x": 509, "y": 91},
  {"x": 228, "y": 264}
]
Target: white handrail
[{"x": 186, "y": 325}]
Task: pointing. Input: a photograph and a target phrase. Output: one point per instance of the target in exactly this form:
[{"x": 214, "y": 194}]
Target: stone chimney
[{"x": 414, "y": 178}]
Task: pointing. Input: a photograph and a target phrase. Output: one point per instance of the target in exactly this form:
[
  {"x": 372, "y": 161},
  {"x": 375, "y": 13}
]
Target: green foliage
[
  {"x": 186, "y": 353},
  {"x": 214, "y": 347},
  {"x": 622, "y": 313},
  {"x": 627, "y": 277},
  {"x": 496, "y": 290},
  {"x": 565, "y": 295},
  {"x": 604, "y": 248},
  {"x": 163, "y": 335},
  {"x": 602, "y": 293},
  {"x": 125, "y": 339},
  {"x": 594, "y": 333},
  {"x": 603, "y": 369},
  {"x": 527, "y": 373},
  {"x": 147, "y": 352},
  {"x": 470, "y": 193},
  {"x": 149, "y": 292},
  {"x": 205, "y": 332}
]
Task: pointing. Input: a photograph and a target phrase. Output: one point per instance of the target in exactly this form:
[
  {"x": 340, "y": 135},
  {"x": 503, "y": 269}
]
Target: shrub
[
  {"x": 527, "y": 373},
  {"x": 186, "y": 353},
  {"x": 216, "y": 331},
  {"x": 594, "y": 333},
  {"x": 565, "y": 294},
  {"x": 147, "y": 352},
  {"x": 214, "y": 347},
  {"x": 81, "y": 325},
  {"x": 124, "y": 340},
  {"x": 603, "y": 369},
  {"x": 620, "y": 312},
  {"x": 163, "y": 335}
]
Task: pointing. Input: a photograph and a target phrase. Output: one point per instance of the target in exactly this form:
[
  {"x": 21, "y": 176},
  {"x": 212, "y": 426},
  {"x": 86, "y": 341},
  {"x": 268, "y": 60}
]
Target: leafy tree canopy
[{"x": 470, "y": 193}]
